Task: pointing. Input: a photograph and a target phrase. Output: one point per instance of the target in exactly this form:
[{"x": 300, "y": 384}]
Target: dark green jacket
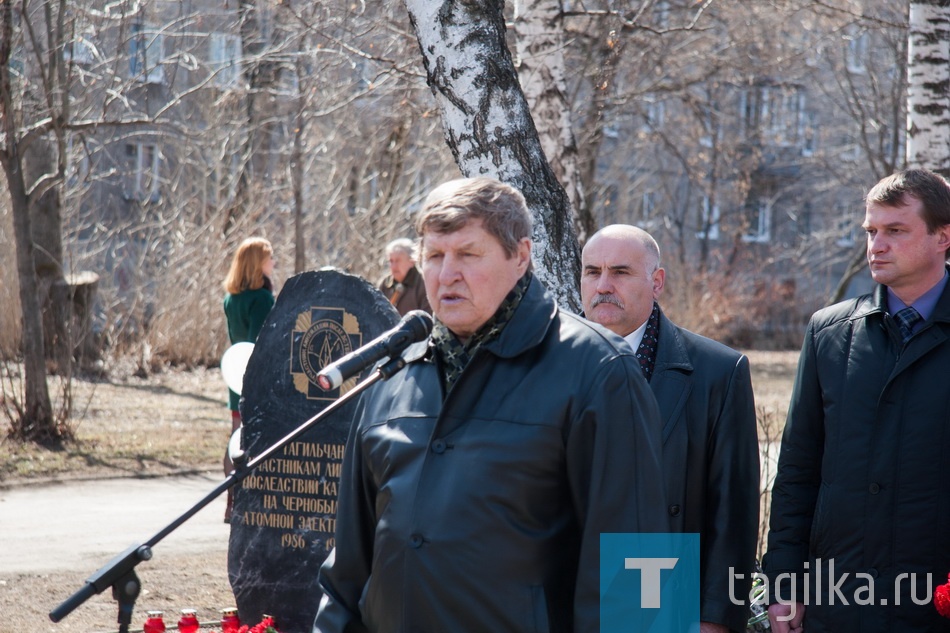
[
  {"x": 863, "y": 471},
  {"x": 246, "y": 312}
]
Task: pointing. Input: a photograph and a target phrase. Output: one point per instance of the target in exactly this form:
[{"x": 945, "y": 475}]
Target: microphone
[{"x": 414, "y": 327}]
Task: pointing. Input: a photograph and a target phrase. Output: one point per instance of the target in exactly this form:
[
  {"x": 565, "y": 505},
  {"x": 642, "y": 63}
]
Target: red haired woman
[{"x": 249, "y": 299}]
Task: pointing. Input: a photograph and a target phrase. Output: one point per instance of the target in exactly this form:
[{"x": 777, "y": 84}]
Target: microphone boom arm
[{"x": 119, "y": 573}]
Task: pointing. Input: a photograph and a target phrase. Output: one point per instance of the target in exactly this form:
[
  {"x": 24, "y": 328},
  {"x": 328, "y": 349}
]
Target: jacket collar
[
  {"x": 410, "y": 280},
  {"x": 670, "y": 350},
  {"x": 529, "y": 325},
  {"x": 942, "y": 309},
  {"x": 876, "y": 303}
]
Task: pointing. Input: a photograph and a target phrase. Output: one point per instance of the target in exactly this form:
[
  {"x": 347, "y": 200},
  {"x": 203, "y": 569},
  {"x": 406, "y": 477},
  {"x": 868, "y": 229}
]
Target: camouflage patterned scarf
[{"x": 454, "y": 355}]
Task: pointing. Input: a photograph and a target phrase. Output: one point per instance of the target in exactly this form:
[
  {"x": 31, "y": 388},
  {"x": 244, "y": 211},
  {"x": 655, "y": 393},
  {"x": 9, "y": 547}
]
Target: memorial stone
[{"x": 282, "y": 527}]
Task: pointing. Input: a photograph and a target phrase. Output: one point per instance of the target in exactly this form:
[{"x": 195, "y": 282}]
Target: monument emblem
[{"x": 320, "y": 336}]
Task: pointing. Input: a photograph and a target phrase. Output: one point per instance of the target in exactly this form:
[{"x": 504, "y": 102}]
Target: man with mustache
[
  {"x": 861, "y": 500},
  {"x": 477, "y": 481},
  {"x": 704, "y": 389}
]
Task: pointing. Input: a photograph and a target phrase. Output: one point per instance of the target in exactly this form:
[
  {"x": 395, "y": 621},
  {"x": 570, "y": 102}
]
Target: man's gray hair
[
  {"x": 402, "y": 245},
  {"x": 500, "y": 207}
]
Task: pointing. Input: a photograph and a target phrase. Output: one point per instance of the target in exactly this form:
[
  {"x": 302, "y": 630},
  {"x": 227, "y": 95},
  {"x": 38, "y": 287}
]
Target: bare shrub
[{"x": 737, "y": 309}]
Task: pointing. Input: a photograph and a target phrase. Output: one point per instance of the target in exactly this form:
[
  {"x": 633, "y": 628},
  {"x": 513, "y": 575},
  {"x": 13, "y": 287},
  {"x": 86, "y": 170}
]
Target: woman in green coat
[{"x": 249, "y": 299}]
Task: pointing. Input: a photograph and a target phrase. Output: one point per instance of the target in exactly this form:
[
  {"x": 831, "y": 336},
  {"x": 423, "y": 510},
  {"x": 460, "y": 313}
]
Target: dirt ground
[
  {"x": 170, "y": 422},
  {"x": 175, "y": 422}
]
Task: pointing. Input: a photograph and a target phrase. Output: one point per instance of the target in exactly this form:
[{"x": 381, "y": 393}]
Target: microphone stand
[{"x": 119, "y": 573}]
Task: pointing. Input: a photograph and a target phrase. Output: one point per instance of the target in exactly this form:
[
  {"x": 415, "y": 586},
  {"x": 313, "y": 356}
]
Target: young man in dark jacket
[
  {"x": 477, "y": 481},
  {"x": 861, "y": 501}
]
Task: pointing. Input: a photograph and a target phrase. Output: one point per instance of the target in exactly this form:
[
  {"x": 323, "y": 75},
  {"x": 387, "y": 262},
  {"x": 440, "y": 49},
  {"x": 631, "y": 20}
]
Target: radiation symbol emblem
[{"x": 321, "y": 336}]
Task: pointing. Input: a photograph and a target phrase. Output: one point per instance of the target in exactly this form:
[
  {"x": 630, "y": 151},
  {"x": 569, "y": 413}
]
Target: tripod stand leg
[{"x": 125, "y": 590}]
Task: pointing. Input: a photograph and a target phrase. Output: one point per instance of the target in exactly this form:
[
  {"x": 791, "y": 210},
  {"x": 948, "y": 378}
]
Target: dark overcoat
[
  {"x": 862, "y": 479},
  {"x": 710, "y": 462}
]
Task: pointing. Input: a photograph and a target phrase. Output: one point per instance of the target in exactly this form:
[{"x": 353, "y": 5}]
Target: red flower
[
  {"x": 942, "y": 598},
  {"x": 264, "y": 626}
]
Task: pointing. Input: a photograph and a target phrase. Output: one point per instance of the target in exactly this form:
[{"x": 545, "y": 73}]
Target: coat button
[
  {"x": 874, "y": 489},
  {"x": 415, "y": 541},
  {"x": 438, "y": 446},
  {"x": 872, "y": 572},
  {"x": 674, "y": 510}
]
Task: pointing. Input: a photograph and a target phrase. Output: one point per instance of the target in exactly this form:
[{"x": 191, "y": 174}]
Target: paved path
[{"x": 83, "y": 525}]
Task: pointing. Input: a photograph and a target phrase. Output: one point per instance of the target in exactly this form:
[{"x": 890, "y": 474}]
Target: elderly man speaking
[{"x": 477, "y": 482}]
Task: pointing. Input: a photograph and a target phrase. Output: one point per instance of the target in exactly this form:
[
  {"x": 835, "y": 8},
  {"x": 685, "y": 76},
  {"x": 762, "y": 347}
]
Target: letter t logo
[{"x": 650, "y": 578}]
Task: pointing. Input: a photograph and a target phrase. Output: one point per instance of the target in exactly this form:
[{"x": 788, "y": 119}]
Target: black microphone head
[{"x": 419, "y": 324}]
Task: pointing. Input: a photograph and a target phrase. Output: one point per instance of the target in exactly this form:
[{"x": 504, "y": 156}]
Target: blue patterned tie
[{"x": 906, "y": 320}]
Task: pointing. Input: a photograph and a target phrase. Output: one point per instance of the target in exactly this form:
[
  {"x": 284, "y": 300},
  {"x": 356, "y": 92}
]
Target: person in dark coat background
[
  {"x": 477, "y": 481},
  {"x": 707, "y": 411},
  {"x": 248, "y": 299},
  {"x": 860, "y": 521},
  {"x": 404, "y": 286}
]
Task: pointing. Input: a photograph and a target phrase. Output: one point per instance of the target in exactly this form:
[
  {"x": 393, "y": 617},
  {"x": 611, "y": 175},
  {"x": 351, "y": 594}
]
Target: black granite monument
[{"x": 282, "y": 527}]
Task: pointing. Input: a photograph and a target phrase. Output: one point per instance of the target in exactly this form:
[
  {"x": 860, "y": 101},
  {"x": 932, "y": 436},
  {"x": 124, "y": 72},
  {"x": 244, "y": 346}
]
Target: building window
[
  {"x": 81, "y": 51},
  {"x": 856, "y": 52},
  {"x": 146, "y": 54},
  {"x": 809, "y": 134},
  {"x": 661, "y": 11},
  {"x": 785, "y": 114},
  {"x": 803, "y": 219},
  {"x": 654, "y": 112},
  {"x": 77, "y": 161},
  {"x": 224, "y": 178},
  {"x": 288, "y": 82},
  {"x": 708, "y": 221},
  {"x": 609, "y": 206},
  {"x": 647, "y": 219},
  {"x": 145, "y": 171},
  {"x": 778, "y": 112},
  {"x": 846, "y": 229},
  {"x": 749, "y": 110},
  {"x": 225, "y": 59},
  {"x": 758, "y": 220}
]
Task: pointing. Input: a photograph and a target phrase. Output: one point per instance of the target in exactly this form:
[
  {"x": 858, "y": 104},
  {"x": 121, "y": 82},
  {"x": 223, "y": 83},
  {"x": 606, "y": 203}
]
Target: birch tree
[
  {"x": 488, "y": 126},
  {"x": 539, "y": 44},
  {"x": 928, "y": 91}
]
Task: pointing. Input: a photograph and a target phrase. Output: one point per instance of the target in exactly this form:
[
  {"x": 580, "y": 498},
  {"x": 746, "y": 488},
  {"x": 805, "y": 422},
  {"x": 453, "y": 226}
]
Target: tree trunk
[
  {"x": 46, "y": 229},
  {"x": 539, "y": 42},
  {"x": 35, "y": 415},
  {"x": 856, "y": 264},
  {"x": 609, "y": 52},
  {"x": 928, "y": 90},
  {"x": 260, "y": 72},
  {"x": 297, "y": 183},
  {"x": 488, "y": 127}
]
